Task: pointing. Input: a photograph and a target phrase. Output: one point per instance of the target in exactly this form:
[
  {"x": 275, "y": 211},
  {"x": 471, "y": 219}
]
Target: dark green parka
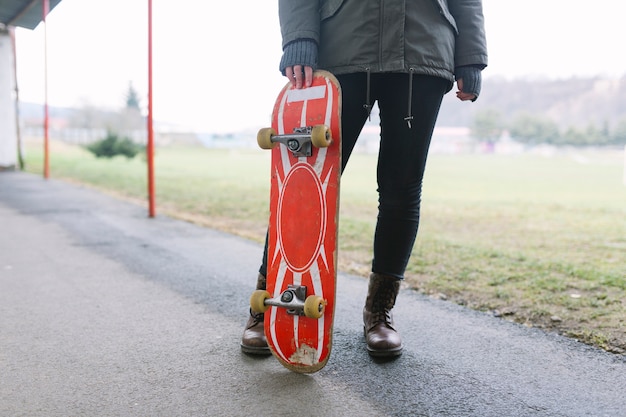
[{"x": 429, "y": 37}]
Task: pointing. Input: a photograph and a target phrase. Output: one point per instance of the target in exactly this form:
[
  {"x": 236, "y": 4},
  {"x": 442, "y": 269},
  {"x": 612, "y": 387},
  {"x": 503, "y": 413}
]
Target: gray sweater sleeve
[
  {"x": 472, "y": 78},
  {"x": 299, "y": 52}
]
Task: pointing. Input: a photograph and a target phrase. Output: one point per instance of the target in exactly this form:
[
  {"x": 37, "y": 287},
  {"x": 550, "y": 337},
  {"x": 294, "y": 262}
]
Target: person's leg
[
  {"x": 353, "y": 112},
  {"x": 401, "y": 165},
  {"x": 353, "y": 118}
]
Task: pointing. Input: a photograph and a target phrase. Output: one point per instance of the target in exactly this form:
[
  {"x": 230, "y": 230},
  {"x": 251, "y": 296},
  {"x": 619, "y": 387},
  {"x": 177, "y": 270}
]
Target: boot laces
[
  {"x": 382, "y": 305},
  {"x": 256, "y": 318},
  {"x": 381, "y": 317}
]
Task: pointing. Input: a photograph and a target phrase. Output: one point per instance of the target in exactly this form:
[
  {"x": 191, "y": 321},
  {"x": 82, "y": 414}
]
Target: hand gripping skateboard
[{"x": 299, "y": 302}]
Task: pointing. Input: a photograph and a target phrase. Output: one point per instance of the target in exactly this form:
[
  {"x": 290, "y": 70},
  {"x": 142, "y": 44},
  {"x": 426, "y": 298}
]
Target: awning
[{"x": 23, "y": 13}]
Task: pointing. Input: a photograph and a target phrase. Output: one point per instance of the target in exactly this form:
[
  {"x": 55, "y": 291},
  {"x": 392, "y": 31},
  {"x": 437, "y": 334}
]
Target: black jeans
[{"x": 401, "y": 159}]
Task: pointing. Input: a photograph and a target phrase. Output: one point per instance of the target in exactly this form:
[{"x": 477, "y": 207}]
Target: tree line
[
  {"x": 530, "y": 129},
  {"x": 574, "y": 111}
]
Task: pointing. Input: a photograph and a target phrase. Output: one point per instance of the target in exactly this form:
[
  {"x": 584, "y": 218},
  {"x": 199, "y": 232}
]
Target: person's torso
[{"x": 387, "y": 36}]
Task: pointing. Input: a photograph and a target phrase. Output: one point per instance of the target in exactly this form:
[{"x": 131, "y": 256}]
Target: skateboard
[{"x": 299, "y": 301}]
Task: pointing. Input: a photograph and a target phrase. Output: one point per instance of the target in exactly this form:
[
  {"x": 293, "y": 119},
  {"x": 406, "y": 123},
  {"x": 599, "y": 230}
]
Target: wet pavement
[{"x": 105, "y": 312}]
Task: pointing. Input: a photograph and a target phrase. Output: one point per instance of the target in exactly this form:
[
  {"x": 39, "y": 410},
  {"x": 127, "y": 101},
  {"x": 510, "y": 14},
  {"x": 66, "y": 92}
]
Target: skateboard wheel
[
  {"x": 264, "y": 138},
  {"x": 320, "y": 136},
  {"x": 257, "y": 301},
  {"x": 314, "y": 306}
]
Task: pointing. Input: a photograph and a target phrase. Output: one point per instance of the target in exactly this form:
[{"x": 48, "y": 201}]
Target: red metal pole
[
  {"x": 150, "y": 145},
  {"x": 46, "y": 117}
]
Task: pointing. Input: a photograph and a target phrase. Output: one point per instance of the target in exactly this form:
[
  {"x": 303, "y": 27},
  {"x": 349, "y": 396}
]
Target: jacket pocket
[{"x": 329, "y": 8}]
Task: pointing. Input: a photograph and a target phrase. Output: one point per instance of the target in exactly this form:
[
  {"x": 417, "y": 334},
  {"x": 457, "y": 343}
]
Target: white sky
[{"x": 216, "y": 63}]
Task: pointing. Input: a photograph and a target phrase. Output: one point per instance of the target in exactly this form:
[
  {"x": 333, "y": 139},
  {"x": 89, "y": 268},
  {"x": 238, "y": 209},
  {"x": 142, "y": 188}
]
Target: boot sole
[
  {"x": 387, "y": 353},
  {"x": 254, "y": 350}
]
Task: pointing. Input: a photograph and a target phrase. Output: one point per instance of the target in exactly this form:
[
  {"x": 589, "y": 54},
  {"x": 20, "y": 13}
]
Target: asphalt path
[{"x": 106, "y": 312}]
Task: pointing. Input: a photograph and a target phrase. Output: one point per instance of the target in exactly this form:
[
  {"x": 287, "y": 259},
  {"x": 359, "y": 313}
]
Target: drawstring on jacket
[
  {"x": 368, "y": 107},
  {"x": 409, "y": 117}
]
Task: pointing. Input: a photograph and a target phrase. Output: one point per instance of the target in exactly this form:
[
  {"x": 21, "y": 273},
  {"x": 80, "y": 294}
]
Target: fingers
[
  {"x": 308, "y": 76},
  {"x": 465, "y": 96},
  {"x": 289, "y": 74},
  {"x": 462, "y": 95},
  {"x": 299, "y": 76}
]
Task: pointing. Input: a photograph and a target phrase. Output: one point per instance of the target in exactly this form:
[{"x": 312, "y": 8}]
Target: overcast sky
[{"x": 216, "y": 63}]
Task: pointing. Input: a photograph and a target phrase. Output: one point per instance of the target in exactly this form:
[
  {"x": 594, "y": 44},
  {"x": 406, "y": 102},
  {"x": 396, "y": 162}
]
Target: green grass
[{"x": 541, "y": 240}]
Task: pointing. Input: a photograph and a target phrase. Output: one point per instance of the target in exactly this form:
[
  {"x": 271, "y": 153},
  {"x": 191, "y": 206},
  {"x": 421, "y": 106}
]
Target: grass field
[{"x": 540, "y": 240}]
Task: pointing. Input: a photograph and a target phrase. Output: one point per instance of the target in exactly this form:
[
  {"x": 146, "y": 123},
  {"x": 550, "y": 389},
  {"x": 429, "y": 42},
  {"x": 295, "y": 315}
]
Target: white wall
[{"x": 8, "y": 127}]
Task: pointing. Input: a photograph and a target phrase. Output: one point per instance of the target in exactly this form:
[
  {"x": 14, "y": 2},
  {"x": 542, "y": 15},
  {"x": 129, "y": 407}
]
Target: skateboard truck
[
  {"x": 293, "y": 299},
  {"x": 300, "y": 142}
]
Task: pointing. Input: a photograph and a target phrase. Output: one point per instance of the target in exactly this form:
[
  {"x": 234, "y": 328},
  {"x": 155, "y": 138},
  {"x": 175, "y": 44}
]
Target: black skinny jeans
[{"x": 401, "y": 159}]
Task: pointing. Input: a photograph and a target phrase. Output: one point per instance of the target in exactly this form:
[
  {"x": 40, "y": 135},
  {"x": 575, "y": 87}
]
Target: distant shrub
[{"x": 113, "y": 145}]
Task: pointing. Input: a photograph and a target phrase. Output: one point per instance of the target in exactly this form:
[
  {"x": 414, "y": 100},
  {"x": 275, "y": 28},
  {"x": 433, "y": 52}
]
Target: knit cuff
[
  {"x": 299, "y": 52},
  {"x": 472, "y": 79}
]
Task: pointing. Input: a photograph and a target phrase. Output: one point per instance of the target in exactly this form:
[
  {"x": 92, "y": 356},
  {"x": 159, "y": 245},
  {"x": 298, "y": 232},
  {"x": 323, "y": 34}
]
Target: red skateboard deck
[{"x": 299, "y": 303}]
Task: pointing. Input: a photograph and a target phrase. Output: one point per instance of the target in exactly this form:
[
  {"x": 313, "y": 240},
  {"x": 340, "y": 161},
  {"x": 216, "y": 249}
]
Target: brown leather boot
[
  {"x": 253, "y": 340},
  {"x": 381, "y": 337}
]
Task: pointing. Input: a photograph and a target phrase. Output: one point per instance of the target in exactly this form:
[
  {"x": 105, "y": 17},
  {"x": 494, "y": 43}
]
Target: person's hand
[
  {"x": 461, "y": 95},
  {"x": 468, "y": 80},
  {"x": 300, "y": 77}
]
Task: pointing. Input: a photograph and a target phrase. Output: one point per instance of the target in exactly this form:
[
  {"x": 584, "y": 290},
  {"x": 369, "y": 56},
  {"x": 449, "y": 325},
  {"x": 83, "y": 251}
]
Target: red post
[
  {"x": 150, "y": 145},
  {"x": 46, "y": 116}
]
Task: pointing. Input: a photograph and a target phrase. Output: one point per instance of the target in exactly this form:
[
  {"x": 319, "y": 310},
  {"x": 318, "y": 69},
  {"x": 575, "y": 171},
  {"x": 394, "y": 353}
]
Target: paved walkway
[{"x": 104, "y": 312}]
